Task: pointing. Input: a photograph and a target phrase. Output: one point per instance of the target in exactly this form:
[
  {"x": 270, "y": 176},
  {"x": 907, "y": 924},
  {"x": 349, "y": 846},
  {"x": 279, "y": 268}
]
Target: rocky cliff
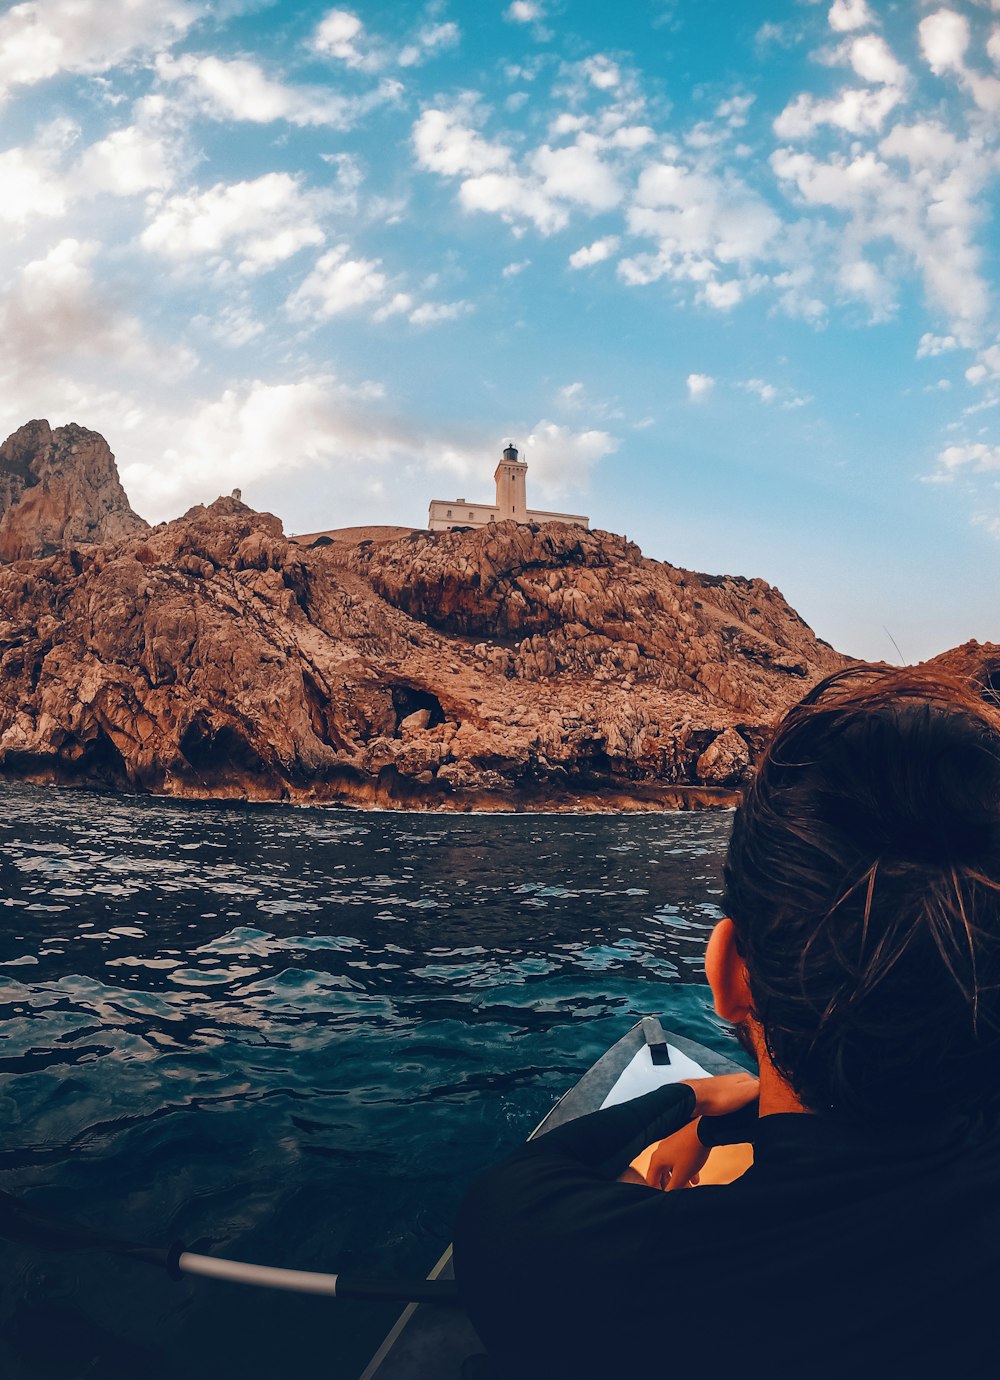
[
  {"x": 60, "y": 489},
  {"x": 516, "y": 666}
]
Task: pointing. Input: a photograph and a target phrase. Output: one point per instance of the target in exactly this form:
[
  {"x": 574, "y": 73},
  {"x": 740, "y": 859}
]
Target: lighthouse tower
[
  {"x": 512, "y": 494},
  {"x": 447, "y": 514}
]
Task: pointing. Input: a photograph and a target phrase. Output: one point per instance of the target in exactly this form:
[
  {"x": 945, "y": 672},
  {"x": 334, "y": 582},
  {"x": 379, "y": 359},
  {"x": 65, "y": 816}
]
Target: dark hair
[{"x": 863, "y": 880}]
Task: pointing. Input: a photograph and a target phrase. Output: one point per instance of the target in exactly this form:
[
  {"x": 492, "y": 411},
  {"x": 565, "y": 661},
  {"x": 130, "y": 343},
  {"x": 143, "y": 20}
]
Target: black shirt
[{"x": 839, "y": 1253}]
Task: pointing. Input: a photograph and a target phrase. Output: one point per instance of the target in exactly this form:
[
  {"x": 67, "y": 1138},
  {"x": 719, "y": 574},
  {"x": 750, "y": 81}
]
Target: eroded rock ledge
[{"x": 512, "y": 667}]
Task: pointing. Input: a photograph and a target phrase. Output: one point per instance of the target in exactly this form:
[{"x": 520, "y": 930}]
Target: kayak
[{"x": 438, "y": 1342}]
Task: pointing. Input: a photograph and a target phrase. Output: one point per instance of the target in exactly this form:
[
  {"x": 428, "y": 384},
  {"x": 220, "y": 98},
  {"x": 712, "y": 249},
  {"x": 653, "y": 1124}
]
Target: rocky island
[{"x": 514, "y": 667}]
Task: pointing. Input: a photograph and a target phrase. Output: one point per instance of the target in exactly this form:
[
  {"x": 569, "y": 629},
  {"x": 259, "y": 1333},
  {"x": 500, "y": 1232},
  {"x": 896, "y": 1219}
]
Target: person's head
[{"x": 863, "y": 886}]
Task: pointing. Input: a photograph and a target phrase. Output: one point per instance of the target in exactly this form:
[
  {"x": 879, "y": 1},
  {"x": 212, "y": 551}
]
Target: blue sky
[{"x": 727, "y": 272}]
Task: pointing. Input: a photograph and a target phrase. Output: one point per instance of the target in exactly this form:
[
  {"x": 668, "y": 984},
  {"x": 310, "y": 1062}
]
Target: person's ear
[{"x": 727, "y": 974}]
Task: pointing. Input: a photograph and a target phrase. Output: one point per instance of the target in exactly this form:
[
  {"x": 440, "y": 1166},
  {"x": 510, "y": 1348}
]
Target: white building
[{"x": 511, "y": 505}]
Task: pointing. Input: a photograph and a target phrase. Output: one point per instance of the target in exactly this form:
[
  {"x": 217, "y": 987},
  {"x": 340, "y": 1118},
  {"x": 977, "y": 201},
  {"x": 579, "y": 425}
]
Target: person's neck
[{"x": 775, "y": 1093}]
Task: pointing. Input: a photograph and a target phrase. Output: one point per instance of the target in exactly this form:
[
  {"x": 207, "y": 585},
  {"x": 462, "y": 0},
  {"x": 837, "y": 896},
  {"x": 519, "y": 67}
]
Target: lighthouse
[
  {"x": 512, "y": 492},
  {"x": 446, "y": 514}
]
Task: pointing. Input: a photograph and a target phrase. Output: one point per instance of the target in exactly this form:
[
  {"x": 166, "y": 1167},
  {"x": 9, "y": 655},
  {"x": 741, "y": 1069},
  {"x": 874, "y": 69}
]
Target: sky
[{"x": 726, "y": 271}]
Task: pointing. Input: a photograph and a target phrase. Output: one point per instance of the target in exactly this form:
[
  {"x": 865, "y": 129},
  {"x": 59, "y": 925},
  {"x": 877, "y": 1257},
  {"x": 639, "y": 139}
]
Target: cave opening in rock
[
  {"x": 409, "y": 699},
  {"x": 216, "y": 750}
]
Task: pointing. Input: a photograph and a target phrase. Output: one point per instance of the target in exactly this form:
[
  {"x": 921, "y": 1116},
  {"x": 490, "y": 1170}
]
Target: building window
[
  {"x": 448, "y": 513},
  {"x": 471, "y": 516}
]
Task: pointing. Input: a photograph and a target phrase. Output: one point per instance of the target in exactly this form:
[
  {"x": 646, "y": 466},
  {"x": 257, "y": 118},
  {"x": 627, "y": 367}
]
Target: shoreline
[{"x": 377, "y": 797}]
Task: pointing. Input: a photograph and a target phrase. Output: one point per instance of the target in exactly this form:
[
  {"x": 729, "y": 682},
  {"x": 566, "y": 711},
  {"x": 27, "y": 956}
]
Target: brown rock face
[
  {"x": 978, "y": 662},
  {"x": 60, "y": 489},
  {"x": 509, "y": 667}
]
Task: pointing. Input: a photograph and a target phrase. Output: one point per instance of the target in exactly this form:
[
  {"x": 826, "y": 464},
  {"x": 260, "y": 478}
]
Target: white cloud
[
  {"x": 770, "y": 32},
  {"x": 766, "y": 392},
  {"x": 513, "y": 269},
  {"x": 399, "y": 304},
  {"x": 931, "y": 345},
  {"x": 431, "y": 40},
  {"x": 576, "y": 173},
  {"x": 337, "y": 284},
  {"x": 253, "y": 431},
  {"x": 860, "y": 279},
  {"x": 341, "y": 34},
  {"x": 523, "y": 12},
  {"x": 602, "y": 72},
  {"x": 548, "y": 183},
  {"x": 238, "y": 89},
  {"x": 594, "y": 253},
  {"x": 514, "y": 199},
  {"x": 700, "y": 222},
  {"x": 987, "y": 365},
  {"x": 631, "y": 137},
  {"x": 32, "y": 187},
  {"x": 699, "y": 386},
  {"x": 575, "y": 398},
  {"x": 259, "y": 223},
  {"x": 233, "y": 325},
  {"x": 873, "y": 60},
  {"x": 41, "y": 38},
  {"x": 129, "y": 161},
  {"x": 447, "y": 143},
  {"x": 432, "y": 312},
  {"x": 734, "y": 110},
  {"x": 929, "y": 205},
  {"x": 855, "y": 110},
  {"x": 722, "y": 296},
  {"x": 944, "y": 38},
  {"x": 567, "y": 123},
  {"x": 769, "y": 394},
  {"x": 561, "y": 458},
  {"x": 696, "y": 213},
  {"x": 847, "y": 15},
  {"x": 975, "y": 456},
  {"x": 54, "y": 317}
]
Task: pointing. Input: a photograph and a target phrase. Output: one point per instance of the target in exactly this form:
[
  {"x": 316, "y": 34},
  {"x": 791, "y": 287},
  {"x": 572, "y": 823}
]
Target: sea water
[{"x": 292, "y": 1036}]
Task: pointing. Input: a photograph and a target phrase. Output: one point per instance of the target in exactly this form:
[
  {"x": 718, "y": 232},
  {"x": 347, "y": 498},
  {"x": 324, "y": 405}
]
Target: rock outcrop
[
  {"x": 60, "y": 489},
  {"x": 510, "y": 667},
  {"x": 978, "y": 662}
]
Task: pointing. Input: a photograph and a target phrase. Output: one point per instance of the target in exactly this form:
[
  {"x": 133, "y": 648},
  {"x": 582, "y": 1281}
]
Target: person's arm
[
  {"x": 731, "y": 1128},
  {"x": 551, "y": 1220},
  {"x": 678, "y": 1160},
  {"x": 607, "y": 1140}
]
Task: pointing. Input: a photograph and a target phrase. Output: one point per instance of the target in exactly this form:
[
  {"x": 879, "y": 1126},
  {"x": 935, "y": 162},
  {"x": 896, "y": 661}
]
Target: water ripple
[{"x": 295, "y": 1035}]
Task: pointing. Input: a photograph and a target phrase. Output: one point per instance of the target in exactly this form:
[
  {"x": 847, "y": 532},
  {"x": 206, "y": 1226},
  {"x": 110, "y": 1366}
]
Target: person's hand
[
  {"x": 678, "y": 1160},
  {"x": 727, "y": 1092}
]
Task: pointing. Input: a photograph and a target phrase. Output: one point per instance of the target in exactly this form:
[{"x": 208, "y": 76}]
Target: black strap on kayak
[
  {"x": 37, "y": 1229},
  {"x": 656, "y": 1040}
]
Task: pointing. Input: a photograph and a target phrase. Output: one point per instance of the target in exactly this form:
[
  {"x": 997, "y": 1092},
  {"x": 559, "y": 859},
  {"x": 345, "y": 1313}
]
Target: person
[{"x": 860, "y": 960}]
